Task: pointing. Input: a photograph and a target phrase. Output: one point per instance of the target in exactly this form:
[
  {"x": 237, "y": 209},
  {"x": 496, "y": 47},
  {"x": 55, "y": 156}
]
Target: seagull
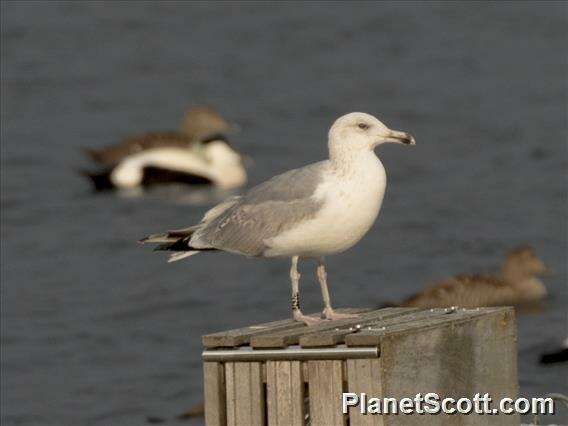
[
  {"x": 199, "y": 154},
  {"x": 317, "y": 210}
]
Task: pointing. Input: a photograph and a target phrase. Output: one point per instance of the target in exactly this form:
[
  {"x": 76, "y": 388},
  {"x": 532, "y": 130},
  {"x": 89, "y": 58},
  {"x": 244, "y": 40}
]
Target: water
[{"x": 97, "y": 330}]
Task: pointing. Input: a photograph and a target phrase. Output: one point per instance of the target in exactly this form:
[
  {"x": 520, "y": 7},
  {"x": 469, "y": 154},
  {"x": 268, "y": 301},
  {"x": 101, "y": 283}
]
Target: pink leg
[
  {"x": 296, "y": 312},
  {"x": 328, "y": 312}
]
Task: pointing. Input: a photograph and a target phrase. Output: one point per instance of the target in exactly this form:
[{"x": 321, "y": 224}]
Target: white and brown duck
[
  {"x": 198, "y": 154},
  {"x": 516, "y": 284}
]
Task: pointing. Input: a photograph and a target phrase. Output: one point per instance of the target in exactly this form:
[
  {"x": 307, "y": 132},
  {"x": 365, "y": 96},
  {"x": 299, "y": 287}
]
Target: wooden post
[
  {"x": 285, "y": 373},
  {"x": 326, "y": 387},
  {"x": 214, "y": 389},
  {"x": 285, "y": 393},
  {"x": 364, "y": 376},
  {"x": 245, "y": 393}
]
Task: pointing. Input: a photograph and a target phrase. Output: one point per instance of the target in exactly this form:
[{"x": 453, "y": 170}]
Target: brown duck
[
  {"x": 198, "y": 154},
  {"x": 517, "y": 284}
]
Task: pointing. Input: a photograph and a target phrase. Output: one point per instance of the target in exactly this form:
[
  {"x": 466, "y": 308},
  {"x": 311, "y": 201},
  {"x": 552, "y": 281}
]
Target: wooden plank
[
  {"x": 281, "y": 339},
  {"x": 245, "y": 394},
  {"x": 337, "y": 335},
  {"x": 325, "y": 388},
  {"x": 461, "y": 358},
  {"x": 285, "y": 393},
  {"x": 430, "y": 318},
  {"x": 242, "y": 336},
  {"x": 231, "y": 393},
  {"x": 214, "y": 390},
  {"x": 370, "y": 334},
  {"x": 364, "y": 376}
]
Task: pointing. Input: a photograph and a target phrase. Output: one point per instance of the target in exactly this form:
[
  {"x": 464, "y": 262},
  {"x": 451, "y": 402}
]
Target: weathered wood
[
  {"x": 325, "y": 388},
  {"x": 285, "y": 393},
  {"x": 372, "y": 335},
  {"x": 214, "y": 391},
  {"x": 364, "y": 376},
  {"x": 242, "y": 336},
  {"x": 395, "y": 352},
  {"x": 245, "y": 394},
  {"x": 337, "y": 335},
  {"x": 475, "y": 354},
  {"x": 281, "y": 339}
]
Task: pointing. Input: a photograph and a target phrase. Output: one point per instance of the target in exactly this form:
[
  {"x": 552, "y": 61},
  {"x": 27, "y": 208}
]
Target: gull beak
[{"x": 400, "y": 137}]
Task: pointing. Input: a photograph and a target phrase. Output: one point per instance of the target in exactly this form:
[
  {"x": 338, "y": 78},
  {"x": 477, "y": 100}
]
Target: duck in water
[
  {"x": 517, "y": 284},
  {"x": 557, "y": 356},
  {"x": 199, "y": 154}
]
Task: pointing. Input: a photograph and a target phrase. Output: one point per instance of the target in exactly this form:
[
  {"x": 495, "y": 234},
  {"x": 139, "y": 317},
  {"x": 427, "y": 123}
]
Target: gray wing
[{"x": 263, "y": 212}]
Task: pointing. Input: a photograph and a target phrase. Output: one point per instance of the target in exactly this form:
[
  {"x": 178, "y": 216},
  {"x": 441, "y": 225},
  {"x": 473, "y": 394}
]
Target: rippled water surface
[{"x": 97, "y": 330}]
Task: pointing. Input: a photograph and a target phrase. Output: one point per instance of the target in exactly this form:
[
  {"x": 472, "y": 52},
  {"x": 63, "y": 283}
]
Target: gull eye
[{"x": 363, "y": 126}]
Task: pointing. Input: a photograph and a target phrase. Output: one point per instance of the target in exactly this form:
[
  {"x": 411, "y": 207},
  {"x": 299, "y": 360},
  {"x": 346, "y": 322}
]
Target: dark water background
[{"x": 98, "y": 331}]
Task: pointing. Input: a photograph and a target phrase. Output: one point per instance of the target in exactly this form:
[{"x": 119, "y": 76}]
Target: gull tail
[
  {"x": 181, "y": 255},
  {"x": 177, "y": 241}
]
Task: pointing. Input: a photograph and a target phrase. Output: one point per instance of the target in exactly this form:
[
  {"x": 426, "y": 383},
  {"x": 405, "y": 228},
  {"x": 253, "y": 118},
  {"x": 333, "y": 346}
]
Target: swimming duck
[
  {"x": 199, "y": 154},
  {"x": 556, "y": 356},
  {"x": 517, "y": 284}
]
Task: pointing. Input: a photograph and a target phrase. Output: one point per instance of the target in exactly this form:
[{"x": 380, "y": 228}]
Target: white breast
[{"x": 351, "y": 204}]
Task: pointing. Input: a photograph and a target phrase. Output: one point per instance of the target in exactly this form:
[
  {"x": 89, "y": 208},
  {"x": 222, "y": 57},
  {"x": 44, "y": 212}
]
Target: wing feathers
[{"x": 181, "y": 255}]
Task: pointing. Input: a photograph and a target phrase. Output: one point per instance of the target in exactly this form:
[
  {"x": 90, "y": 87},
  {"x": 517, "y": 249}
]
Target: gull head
[{"x": 360, "y": 131}]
